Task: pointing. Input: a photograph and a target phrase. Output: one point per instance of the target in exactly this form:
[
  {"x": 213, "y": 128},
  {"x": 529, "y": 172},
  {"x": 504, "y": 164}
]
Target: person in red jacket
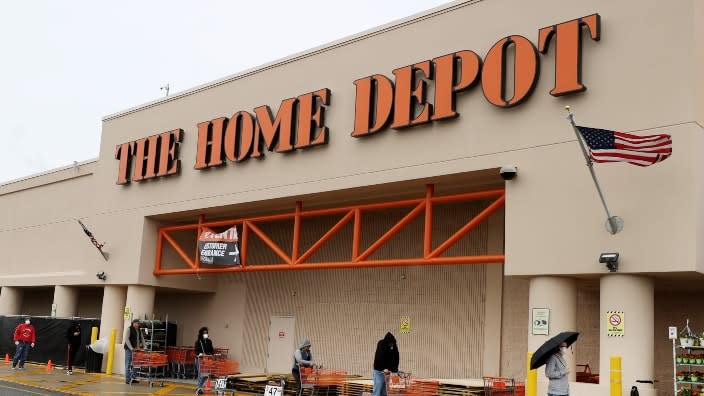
[{"x": 25, "y": 336}]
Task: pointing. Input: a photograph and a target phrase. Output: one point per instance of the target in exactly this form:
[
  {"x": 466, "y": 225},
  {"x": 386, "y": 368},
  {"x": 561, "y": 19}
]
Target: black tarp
[{"x": 51, "y": 338}]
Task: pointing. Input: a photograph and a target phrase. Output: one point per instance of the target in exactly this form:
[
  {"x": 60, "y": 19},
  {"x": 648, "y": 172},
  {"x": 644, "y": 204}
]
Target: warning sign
[
  {"x": 405, "y": 324},
  {"x": 614, "y": 323}
]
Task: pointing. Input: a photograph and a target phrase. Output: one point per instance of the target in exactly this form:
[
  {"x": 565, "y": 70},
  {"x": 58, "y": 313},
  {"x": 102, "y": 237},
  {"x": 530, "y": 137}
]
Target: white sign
[
  {"x": 221, "y": 383},
  {"x": 271, "y": 390},
  {"x": 540, "y": 321},
  {"x": 672, "y": 333}
]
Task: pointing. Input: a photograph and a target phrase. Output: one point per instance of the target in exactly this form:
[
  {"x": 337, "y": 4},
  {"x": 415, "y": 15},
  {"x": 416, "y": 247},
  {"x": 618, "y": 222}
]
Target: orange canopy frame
[{"x": 297, "y": 260}]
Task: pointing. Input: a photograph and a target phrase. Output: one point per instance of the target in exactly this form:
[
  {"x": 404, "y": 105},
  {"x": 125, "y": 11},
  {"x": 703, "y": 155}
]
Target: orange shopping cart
[
  {"x": 221, "y": 369},
  {"x": 498, "y": 386},
  {"x": 403, "y": 384},
  {"x": 146, "y": 364},
  {"x": 318, "y": 380}
]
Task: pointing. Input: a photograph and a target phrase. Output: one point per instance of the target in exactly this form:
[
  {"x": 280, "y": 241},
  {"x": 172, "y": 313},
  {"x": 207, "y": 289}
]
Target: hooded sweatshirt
[
  {"x": 74, "y": 339},
  {"x": 386, "y": 356},
  {"x": 204, "y": 345},
  {"x": 25, "y": 333},
  {"x": 302, "y": 358}
]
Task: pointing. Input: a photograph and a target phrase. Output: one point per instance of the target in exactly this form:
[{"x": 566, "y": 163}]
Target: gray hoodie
[{"x": 301, "y": 358}]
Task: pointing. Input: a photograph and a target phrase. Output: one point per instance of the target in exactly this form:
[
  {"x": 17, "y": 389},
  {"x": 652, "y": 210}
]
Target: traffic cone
[
  {"x": 7, "y": 358},
  {"x": 49, "y": 365},
  {"x": 208, "y": 385}
]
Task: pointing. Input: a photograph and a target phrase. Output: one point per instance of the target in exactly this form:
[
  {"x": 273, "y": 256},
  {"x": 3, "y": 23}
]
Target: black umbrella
[{"x": 541, "y": 356}]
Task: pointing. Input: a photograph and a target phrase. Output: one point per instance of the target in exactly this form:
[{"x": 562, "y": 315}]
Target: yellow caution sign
[{"x": 405, "y": 324}]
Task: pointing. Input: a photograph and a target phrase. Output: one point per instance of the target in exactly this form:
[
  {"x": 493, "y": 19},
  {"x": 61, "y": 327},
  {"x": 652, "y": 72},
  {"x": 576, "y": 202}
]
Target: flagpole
[{"x": 615, "y": 223}]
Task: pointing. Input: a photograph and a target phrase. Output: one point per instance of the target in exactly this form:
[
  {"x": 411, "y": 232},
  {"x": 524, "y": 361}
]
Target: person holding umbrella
[
  {"x": 552, "y": 353},
  {"x": 556, "y": 370}
]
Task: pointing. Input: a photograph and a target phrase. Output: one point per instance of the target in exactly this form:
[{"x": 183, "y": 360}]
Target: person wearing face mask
[
  {"x": 25, "y": 336},
  {"x": 556, "y": 371},
  {"x": 203, "y": 347}
]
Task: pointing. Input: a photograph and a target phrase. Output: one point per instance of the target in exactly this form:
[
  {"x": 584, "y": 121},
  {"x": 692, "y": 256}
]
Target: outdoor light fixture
[
  {"x": 101, "y": 275},
  {"x": 611, "y": 261}
]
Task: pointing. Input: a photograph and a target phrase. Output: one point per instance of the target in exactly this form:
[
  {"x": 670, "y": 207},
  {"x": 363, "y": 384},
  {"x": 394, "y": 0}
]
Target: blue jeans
[
  {"x": 129, "y": 375},
  {"x": 201, "y": 378},
  {"x": 379, "y": 383},
  {"x": 21, "y": 353}
]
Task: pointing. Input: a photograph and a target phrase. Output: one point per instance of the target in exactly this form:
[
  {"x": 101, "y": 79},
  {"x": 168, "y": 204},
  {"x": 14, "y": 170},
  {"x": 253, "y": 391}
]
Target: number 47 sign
[{"x": 271, "y": 390}]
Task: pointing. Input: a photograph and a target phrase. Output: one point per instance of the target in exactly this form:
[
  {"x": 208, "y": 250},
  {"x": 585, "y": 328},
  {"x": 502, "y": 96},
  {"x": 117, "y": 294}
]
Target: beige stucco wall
[{"x": 553, "y": 187}]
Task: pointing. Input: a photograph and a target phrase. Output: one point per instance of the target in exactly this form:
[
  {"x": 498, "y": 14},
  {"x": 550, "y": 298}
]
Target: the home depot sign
[{"x": 381, "y": 102}]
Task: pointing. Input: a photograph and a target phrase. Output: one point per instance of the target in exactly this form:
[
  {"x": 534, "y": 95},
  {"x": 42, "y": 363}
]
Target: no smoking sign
[{"x": 614, "y": 324}]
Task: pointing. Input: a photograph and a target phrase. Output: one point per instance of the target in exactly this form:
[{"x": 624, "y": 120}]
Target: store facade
[{"x": 373, "y": 128}]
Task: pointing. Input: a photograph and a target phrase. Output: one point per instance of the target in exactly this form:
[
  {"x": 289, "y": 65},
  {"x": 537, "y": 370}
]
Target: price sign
[
  {"x": 271, "y": 390},
  {"x": 221, "y": 383}
]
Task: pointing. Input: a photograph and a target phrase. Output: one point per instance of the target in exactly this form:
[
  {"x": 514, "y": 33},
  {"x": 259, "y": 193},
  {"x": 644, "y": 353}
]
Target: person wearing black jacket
[
  {"x": 386, "y": 361},
  {"x": 204, "y": 346},
  {"x": 73, "y": 340}
]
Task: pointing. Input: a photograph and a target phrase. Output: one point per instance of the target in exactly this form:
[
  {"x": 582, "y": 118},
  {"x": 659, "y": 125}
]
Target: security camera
[
  {"x": 101, "y": 275},
  {"x": 611, "y": 261},
  {"x": 508, "y": 172}
]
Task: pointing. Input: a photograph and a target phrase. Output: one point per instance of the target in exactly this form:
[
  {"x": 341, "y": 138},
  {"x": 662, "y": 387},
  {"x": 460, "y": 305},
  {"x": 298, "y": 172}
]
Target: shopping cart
[
  {"x": 403, "y": 384},
  {"x": 147, "y": 364},
  {"x": 220, "y": 368},
  {"x": 320, "y": 380},
  {"x": 498, "y": 386}
]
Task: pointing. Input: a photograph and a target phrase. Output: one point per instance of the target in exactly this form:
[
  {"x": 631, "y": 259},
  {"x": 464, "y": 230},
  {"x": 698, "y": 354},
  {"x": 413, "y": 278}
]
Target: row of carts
[{"x": 180, "y": 362}]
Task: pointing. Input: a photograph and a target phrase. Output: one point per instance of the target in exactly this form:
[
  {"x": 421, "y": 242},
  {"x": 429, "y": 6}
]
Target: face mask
[
  {"x": 26, "y": 321},
  {"x": 205, "y": 335},
  {"x": 563, "y": 350}
]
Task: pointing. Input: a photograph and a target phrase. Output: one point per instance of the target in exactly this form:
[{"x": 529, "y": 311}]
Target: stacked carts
[
  {"x": 220, "y": 368},
  {"x": 497, "y": 386},
  {"x": 403, "y": 384},
  {"x": 147, "y": 365},
  {"x": 322, "y": 380},
  {"x": 181, "y": 361}
]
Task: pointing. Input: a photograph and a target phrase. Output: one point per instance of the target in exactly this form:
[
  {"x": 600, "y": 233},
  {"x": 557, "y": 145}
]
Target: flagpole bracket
[{"x": 614, "y": 225}]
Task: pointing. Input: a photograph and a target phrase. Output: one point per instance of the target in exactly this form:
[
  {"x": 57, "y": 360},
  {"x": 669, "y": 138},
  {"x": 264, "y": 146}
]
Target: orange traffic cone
[
  {"x": 7, "y": 358},
  {"x": 208, "y": 385},
  {"x": 49, "y": 365}
]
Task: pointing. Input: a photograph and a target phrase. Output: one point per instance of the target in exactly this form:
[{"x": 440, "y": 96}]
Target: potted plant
[
  {"x": 680, "y": 375},
  {"x": 687, "y": 336},
  {"x": 694, "y": 377},
  {"x": 698, "y": 359},
  {"x": 678, "y": 359}
]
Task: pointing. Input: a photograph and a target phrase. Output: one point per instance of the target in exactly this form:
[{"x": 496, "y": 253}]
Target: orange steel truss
[{"x": 297, "y": 259}]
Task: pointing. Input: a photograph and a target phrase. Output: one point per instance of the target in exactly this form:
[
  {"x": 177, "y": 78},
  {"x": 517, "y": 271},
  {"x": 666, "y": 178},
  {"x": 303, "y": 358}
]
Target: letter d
[{"x": 373, "y": 104}]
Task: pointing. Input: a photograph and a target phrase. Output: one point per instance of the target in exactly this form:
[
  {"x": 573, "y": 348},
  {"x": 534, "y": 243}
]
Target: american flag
[{"x": 612, "y": 146}]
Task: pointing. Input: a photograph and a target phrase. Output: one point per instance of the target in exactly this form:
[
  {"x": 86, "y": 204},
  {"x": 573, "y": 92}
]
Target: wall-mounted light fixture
[{"x": 611, "y": 261}]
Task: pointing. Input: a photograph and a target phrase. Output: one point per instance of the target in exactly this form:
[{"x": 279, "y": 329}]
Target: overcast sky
[{"x": 67, "y": 64}]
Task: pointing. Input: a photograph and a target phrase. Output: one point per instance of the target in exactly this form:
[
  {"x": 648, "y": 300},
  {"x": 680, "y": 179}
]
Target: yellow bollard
[
  {"x": 531, "y": 378},
  {"x": 93, "y": 335},
  {"x": 111, "y": 351},
  {"x": 616, "y": 387}
]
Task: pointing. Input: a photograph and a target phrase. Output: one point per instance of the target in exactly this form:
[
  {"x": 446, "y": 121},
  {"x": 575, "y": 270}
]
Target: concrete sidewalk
[{"x": 88, "y": 384}]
